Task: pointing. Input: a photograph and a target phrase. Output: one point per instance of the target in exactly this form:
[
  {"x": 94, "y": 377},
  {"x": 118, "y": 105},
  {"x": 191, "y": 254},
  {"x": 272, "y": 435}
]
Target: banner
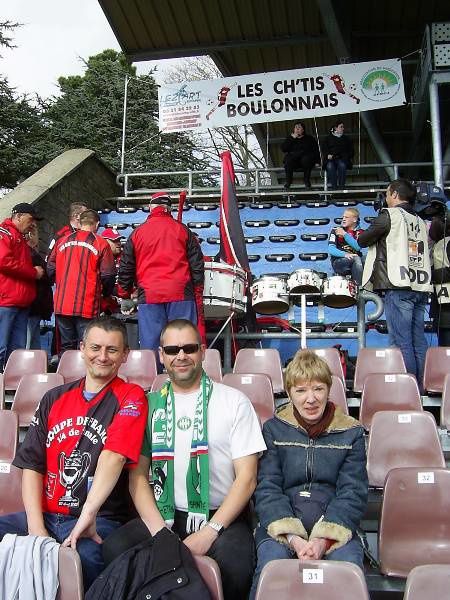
[{"x": 281, "y": 95}]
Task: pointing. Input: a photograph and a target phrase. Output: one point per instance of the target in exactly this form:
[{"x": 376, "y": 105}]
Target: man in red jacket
[
  {"x": 17, "y": 279},
  {"x": 75, "y": 210},
  {"x": 163, "y": 258}
]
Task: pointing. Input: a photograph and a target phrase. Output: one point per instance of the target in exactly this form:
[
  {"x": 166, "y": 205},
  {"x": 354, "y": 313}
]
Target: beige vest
[
  {"x": 440, "y": 261},
  {"x": 407, "y": 255}
]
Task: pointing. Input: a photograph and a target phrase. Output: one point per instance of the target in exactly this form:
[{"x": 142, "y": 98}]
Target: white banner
[{"x": 281, "y": 95}]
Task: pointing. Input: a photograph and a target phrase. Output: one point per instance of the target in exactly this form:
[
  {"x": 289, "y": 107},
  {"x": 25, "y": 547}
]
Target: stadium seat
[
  {"x": 71, "y": 366},
  {"x": 140, "y": 368},
  {"x": 10, "y": 489},
  {"x": 437, "y": 365},
  {"x": 445, "y": 404},
  {"x": 258, "y": 388},
  {"x": 337, "y": 393},
  {"x": 2, "y": 391},
  {"x": 9, "y": 432},
  {"x": 311, "y": 580},
  {"x": 414, "y": 525},
  {"x": 388, "y": 391},
  {"x": 376, "y": 360},
  {"x": 402, "y": 439},
  {"x": 257, "y": 360},
  {"x": 209, "y": 570},
  {"x": 333, "y": 358},
  {"x": 159, "y": 381},
  {"x": 70, "y": 575},
  {"x": 21, "y": 362},
  {"x": 212, "y": 364},
  {"x": 428, "y": 581},
  {"x": 29, "y": 393}
]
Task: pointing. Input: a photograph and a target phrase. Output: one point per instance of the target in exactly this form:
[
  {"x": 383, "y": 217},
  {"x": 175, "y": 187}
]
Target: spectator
[
  {"x": 75, "y": 210},
  {"x": 73, "y": 457},
  {"x": 301, "y": 154},
  {"x": 343, "y": 247},
  {"x": 82, "y": 265},
  {"x": 203, "y": 469},
  {"x": 17, "y": 279},
  {"x": 337, "y": 151},
  {"x": 162, "y": 258},
  {"x": 42, "y": 306},
  {"x": 110, "y": 304},
  {"x": 398, "y": 264}
]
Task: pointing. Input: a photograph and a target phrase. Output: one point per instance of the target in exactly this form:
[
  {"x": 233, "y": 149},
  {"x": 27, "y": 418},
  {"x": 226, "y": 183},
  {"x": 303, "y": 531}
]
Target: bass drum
[
  {"x": 224, "y": 290},
  {"x": 270, "y": 295},
  {"x": 339, "y": 292}
]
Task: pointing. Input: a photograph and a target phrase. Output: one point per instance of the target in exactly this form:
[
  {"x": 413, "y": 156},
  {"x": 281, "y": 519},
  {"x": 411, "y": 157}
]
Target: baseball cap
[
  {"x": 161, "y": 198},
  {"x": 111, "y": 234},
  {"x": 25, "y": 208}
]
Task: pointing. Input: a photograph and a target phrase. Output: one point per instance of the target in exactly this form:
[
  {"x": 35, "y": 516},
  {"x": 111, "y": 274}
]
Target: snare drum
[
  {"x": 224, "y": 290},
  {"x": 270, "y": 295},
  {"x": 339, "y": 292},
  {"x": 304, "y": 281}
]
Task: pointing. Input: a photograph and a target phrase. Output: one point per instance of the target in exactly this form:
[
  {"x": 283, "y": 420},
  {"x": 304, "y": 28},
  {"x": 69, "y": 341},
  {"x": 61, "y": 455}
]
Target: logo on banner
[{"x": 380, "y": 84}]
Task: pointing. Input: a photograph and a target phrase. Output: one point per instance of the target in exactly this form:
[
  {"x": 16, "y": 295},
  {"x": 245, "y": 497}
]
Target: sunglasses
[{"x": 187, "y": 349}]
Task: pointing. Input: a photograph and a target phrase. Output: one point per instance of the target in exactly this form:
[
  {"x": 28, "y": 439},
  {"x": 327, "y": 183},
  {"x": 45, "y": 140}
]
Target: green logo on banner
[{"x": 380, "y": 85}]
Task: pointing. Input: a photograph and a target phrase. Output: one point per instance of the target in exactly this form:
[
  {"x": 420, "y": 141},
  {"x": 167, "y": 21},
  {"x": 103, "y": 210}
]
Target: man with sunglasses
[{"x": 202, "y": 443}]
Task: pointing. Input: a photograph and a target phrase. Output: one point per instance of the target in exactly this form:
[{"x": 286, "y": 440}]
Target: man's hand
[
  {"x": 340, "y": 231},
  {"x": 330, "y": 157},
  {"x": 39, "y": 272},
  {"x": 127, "y": 307},
  {"x": 201, "y": 541},
  {"x": 313, "y": 550},
  {"x": 84, "y": 527}
]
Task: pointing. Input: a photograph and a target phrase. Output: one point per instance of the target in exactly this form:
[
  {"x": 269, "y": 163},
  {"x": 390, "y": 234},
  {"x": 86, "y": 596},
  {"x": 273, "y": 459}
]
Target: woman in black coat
[
  {"x": 302, "y": 153},
  {"x": 337, "y": 151}
]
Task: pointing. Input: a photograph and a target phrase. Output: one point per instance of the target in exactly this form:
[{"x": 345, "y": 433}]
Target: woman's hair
[
  {"x": 302, "y": 124},
  {"x": 336, "y": 124},
  {"x": 307, "y": 366}
]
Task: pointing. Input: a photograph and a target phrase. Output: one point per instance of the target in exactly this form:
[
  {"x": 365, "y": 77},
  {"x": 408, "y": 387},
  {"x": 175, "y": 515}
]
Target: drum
[
  {"x": 224, "y": 290},
  {"x": 339, "y": 292},
  {"x": 304, "y": 281},
  {"x": 270, "y": 295}
]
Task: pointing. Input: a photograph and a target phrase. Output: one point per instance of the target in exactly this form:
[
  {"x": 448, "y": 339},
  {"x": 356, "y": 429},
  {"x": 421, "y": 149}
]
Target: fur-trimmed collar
[{"x": 340, "y": 422}]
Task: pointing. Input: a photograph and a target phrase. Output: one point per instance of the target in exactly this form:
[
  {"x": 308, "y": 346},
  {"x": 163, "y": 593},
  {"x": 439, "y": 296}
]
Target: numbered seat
[
  {"x": 414, "y": 525},
  {"x": 258, "y": 388},
  {"x": 388, "y": 391},
  {"x": 266, "y": 361},
  {"x": 402, "y": 439},
  {"x": 21, "y": 362},
  {"x": 29, "y": 393},
  {"x": 332, "y": 357},
  {"x": 10, "y": 489},
  {"x": 70, "y": 575},
  {"x": 212, "y": 364},
  {"x": 71, "y": 366},
  {"x": 437, "y": 365},
  {"x": 337, "y": 393},
  {"x": 376, "y": 360},
  {"x": 2, "y": 392},
  {"x": 445, "y": 404},
  {"x": 9, "y": 433},
  {"x": 140, "y": 368},
  {"x": 311, "y": 580},
  {"x": 210, "y": 572},
  {"x": 428, "y": 581}
]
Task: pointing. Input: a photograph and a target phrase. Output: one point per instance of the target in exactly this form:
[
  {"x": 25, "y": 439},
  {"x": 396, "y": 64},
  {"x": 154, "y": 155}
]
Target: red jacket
[
  {"x": 164, "y": 258},
  {"x": 17, "y": 274}
]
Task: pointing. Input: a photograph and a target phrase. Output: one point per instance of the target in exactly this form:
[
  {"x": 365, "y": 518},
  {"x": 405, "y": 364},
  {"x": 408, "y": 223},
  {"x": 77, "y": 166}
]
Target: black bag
[{"x": 309, "y": 507}]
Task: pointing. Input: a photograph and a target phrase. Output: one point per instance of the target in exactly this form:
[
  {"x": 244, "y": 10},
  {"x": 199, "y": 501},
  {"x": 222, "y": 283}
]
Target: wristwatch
[{"x": 218, "y": 527}]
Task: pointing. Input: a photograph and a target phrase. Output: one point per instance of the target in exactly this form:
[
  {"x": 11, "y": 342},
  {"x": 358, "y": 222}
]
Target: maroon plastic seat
[
  {"x": 337, "y": 393},
  {"x": 71, "y": 366},
  {"x": 437, "y": 365},
  {"x": 445, "y": 404},
  {"x": 402, "y": 439},
  {"x": 257, "y": 360},
  {"x": 10, "y": 489},
  {"x": 212, "y": 364},
  {"x": 140, "y": 368},
  {"x": 159, "y": 381},
  {"x": 428, "y": 581},
  {"x": 289, "y": 579},
  {"x": 9, "y": 433},
  {"x": 70, "y": 575},
  {"x": 388, "y": 391},
  {"x": 29, "y": 393},
  {"x": 415, "y": 524},
  {"x": 258, "y": 388},
  {"x": 22, "y": 362},
  {"x": 2, "y": 392},
  {"x": 210, "y": 572},
  {"x": 332, "y": 357},
  {"x": 376, "y": 360}
]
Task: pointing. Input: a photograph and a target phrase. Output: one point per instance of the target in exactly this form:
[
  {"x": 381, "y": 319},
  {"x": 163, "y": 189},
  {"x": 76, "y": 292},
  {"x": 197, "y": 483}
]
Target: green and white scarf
[{"x": 162, "y": 404}]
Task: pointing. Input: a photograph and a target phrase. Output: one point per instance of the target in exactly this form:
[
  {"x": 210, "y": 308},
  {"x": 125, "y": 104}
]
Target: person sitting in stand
[
  {"x": 343, "y": 247},
  {"x": 302, "y": 153},
  {"x": 338, "y": 152}
]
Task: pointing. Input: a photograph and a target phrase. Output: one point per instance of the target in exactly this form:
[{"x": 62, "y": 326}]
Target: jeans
[
  {"x": 270, "y": 549},
  {"x": 34, "y": 333},
  {"x": 233, "y": 550},
  {"x": 59, "y": 527},
  {"x": 336, "y": 171},
  {"x": 71, "y": 330},
  {"x": 349, "y": 266},
  {"x": 405, "y": 314},
  {"x": 13, "y": 331}
]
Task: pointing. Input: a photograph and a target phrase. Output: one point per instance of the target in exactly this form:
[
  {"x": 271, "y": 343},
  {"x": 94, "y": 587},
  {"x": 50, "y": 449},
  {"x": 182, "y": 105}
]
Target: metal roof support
[
  {"x": 436, "y": 131},
  {"x": 336, "y": 39}
]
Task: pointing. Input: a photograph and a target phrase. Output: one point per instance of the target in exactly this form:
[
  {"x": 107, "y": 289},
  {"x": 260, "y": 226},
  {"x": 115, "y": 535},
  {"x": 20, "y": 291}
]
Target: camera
[
  {"x": 429, "y": 201},
  {"x": 380, "y": 201}
]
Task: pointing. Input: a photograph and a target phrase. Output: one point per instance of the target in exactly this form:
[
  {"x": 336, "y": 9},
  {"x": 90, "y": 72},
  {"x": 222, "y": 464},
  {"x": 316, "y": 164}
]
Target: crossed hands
[{"x": 308, "y": 550}]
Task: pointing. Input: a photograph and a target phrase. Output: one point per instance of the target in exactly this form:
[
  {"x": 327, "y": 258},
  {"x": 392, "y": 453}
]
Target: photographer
[
  {"x": 398, "y": 265},
  {"x": 440, "y": 305}
]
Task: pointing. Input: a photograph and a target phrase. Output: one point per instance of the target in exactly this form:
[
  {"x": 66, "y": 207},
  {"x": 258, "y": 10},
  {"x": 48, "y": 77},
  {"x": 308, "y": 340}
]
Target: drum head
[
  {"x": 336, "y": 301},
  {"x": 271, "y": 307}
]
